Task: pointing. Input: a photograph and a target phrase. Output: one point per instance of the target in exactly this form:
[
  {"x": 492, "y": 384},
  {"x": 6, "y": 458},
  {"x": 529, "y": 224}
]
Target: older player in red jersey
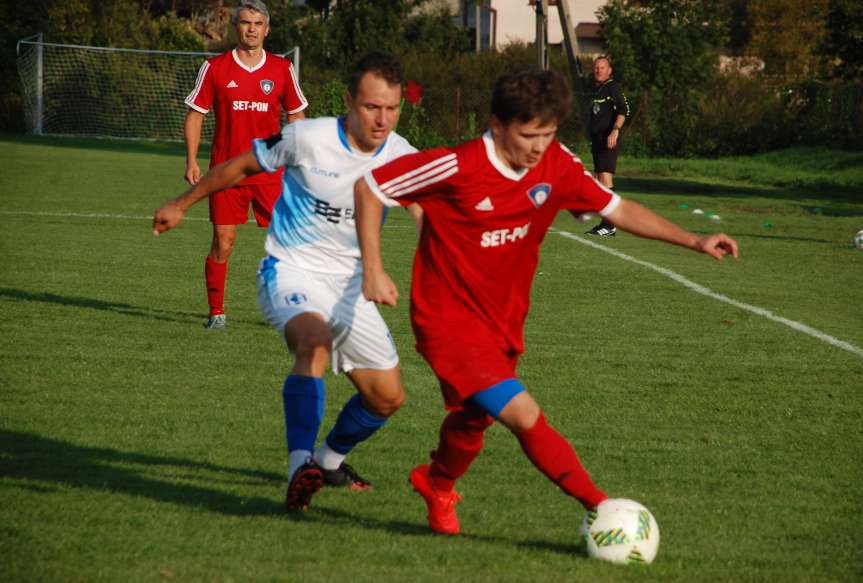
[
  {"x": 487, "y": 206},
  {"x": 248, "y": 87}
]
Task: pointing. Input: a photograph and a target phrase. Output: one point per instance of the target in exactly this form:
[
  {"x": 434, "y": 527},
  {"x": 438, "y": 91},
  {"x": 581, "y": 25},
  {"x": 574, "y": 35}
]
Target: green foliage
[
  {"x": 327, "y": 99},
  {"x": 171, "y": 33},
  {"x": 843, "y": 46},
  {"x": 665, "y": 51},
  {"x": 415, "y": 128}
]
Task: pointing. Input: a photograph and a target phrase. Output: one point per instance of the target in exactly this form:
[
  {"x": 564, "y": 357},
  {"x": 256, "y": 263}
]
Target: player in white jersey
[{"x": 310, "y": 283}]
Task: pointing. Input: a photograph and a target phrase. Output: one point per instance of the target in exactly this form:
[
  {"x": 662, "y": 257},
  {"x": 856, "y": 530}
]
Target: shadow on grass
[
  {"x": 27, "y": 456},
  {"x": 116, "y": 307},
  {"x": 339, "y": 517},
  {"x": 41, "y": 465},
  {"x": 683, "y": 186}
]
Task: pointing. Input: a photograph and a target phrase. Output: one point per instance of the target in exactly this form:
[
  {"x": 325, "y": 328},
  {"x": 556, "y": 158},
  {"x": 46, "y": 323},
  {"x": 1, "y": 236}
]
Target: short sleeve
[
  {"x": 201, "y": 97},
  {"x": 621, "y": 104},
  {"x": 279, "y": 149},
  {"x": 408, "y": 179},
  {"x": 293, "y": 100},
  {"x": 584, "y": 195}
]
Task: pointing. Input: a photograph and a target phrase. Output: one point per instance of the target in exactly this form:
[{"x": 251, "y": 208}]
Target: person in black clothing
[{"x": 608, "y": 112}]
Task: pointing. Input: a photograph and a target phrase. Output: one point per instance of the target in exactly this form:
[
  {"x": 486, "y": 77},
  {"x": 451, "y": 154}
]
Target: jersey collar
[
  {"x": 343, "y": 138},
  {"x": 260, "y": 64},
  {"x": 499, "y": 164}
]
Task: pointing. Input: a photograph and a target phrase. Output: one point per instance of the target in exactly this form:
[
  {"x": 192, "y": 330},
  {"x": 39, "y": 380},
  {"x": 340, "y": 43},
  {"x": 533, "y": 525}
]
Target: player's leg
[
  {"x": 228, "y": 208},
  {"x": 605, "y": 165},
  {"x": 547, "y": 449},
  {"x": 264, "y": 198},
  {"x": 364, "y": 349},
  {"x": 461, "y": 435},
  {"x": 380, "y": 394},
  {"x": 289, "y": 304}
]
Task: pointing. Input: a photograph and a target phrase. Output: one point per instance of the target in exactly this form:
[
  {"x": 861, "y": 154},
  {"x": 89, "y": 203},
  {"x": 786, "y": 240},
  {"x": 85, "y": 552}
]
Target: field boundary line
[
  {"x": 126, "y": 217},
  {"x": 89, "y": 215},
  {"x": 698, "y": 288}
]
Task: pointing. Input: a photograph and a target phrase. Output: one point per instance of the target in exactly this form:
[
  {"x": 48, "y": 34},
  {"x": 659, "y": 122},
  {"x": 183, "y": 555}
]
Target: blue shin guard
[
  {"x": 303, "y": 398},
  {"x": 354, "y": 425}
]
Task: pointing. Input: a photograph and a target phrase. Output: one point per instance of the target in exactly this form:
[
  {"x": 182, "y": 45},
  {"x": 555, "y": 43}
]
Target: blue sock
[
  {"x": 303, "y": 398},
  {"x": 354, "y": 425}
]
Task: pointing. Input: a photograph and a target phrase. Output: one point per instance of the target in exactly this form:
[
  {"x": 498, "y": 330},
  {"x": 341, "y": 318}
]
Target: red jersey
[
  {"x": 248, "y": 102},
  {"x": 482, "y": 228}
]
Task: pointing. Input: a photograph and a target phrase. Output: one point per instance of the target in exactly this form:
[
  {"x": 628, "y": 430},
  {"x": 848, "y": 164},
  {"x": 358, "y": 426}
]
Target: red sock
[
  {"x": 555, "y": 457},
  {"x": 461, "y": 440},
  {"x": 215, "y": 275}
]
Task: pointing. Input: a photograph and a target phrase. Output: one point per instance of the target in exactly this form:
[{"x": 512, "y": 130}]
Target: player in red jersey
[
  {"x": 487, "y": 207},
  {"x": 247, "y": 87}
]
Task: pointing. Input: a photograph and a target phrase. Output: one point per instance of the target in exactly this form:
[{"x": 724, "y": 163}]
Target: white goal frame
[{"x": 109, "y": 92}]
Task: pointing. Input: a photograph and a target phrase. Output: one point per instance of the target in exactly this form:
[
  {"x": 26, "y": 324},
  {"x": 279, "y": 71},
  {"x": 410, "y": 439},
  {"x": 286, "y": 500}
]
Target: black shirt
[{"x": 608, "y": 102}]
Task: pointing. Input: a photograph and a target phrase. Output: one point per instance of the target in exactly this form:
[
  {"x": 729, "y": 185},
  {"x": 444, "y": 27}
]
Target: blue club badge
[
  {"x": 267, "y": 86},
  {"x": 539, "y": 194}
]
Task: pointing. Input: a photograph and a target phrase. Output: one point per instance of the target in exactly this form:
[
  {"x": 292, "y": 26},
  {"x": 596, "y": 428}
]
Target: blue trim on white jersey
[
  {"x": 294, "y": 222},
  {"x": 344, "y": 138}
]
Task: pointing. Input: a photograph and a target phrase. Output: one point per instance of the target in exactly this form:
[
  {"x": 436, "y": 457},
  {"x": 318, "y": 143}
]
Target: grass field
[{"x": 135, "y": 446}]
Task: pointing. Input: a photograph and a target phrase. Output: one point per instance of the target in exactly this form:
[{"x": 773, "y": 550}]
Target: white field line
[
  {"x": 125, "y": 217},
  {"x": 808, "y": 330}
]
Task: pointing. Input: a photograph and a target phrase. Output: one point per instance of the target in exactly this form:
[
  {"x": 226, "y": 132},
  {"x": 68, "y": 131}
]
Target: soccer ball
[
  {"x": 621, "y": 531},
  {"x": 858, "y": 240}
]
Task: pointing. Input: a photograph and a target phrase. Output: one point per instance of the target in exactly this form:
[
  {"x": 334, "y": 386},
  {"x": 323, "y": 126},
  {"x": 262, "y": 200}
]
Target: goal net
[{"x": 109, "y": 92}]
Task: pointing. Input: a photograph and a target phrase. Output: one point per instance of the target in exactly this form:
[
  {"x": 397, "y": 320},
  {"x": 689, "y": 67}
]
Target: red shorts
[
  {"x": 231, "y": 206},
  {"x": 467, "y": 366}
]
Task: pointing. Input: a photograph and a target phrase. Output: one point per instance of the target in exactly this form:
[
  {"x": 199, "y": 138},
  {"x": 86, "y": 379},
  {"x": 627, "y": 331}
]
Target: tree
[
  {"x": 664, "y": 50},
  {"x": 843, "y": 44},
  {"x": 786, "y": 34}
]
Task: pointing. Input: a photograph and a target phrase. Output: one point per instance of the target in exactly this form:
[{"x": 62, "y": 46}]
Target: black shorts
[{"x": 605, "y": 160}]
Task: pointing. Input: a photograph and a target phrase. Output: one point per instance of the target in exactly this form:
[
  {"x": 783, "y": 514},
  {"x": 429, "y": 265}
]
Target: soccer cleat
[
  {"x": 306, "y": 482},
  {"x": 217, "y": 322},
  {"x": 440, "y": 504},
  {"x": 346, "y": 477},
  {"x": 603, "y": 229}
]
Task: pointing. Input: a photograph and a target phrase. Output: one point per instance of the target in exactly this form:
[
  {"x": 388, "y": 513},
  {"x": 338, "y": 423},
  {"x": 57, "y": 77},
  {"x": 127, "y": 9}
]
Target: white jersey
[{"x": 313, "y": 224}]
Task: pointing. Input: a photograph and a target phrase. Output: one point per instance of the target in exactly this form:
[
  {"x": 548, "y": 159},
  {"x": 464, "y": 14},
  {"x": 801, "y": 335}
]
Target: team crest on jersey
[
  {"x": 267, "y": 86},
  {"x": 539, "y": 194},
  {"x": 295, "y": 299}
]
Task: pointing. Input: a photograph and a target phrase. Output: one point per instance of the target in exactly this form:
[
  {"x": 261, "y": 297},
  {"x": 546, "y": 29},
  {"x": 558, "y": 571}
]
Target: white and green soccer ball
[
  {"x": 621, "y": 531},
  {"x": 858, "y": 239}
]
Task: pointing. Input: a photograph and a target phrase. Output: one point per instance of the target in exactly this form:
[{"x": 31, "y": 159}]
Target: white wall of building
[{"x": 516, "y": 19}]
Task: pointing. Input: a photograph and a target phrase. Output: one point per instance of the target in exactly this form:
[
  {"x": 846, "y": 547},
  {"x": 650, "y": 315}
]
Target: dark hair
[
  {"x": 530, "y": 94},
  {"x": 381, "y": 65}
]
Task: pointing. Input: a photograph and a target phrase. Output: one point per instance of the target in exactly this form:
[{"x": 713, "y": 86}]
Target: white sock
[
  {"x": 327, "y": 458},
  {"x": 297, "y": 458}
]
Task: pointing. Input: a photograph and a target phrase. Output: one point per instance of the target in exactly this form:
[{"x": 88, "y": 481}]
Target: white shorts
[{"x": 361, "y": 338}]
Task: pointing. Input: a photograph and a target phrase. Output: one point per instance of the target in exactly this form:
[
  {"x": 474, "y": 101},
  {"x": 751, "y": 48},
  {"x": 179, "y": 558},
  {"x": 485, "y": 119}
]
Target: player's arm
[
  {"x": 378, "y": 287},
  {"x": 220, "y": 177},
  {"x": 416, "y": 213},
  {"x": 192, "y": 134},
  {"x": 621, "y": 108},
  {"x": 639, "y": 220},
  {"x": 292, "y": 117}
]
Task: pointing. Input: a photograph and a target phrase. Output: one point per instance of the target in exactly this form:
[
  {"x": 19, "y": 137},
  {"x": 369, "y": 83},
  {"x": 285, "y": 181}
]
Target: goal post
[{"x": 109, "y": 92}]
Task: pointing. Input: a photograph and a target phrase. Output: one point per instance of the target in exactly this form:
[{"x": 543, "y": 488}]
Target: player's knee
[{"x": 387, "y": 402}]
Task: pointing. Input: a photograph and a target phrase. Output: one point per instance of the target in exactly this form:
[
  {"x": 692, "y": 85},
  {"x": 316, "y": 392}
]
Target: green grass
[{"x": 134, "y": 446}]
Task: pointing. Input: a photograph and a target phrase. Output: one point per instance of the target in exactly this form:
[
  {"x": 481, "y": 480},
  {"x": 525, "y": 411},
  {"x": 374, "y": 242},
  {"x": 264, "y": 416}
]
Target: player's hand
[
  {"x": 167, "y": 217},
  {"x": 718, "y": 246},
  {"x": 193, "y": 173},
  {"x": 380, "y": 288}
]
